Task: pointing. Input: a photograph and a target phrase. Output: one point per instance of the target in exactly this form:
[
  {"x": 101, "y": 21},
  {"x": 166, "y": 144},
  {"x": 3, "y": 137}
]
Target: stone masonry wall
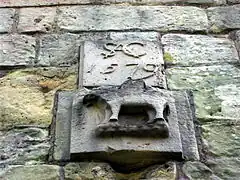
[{"x": 38, "y": 56}]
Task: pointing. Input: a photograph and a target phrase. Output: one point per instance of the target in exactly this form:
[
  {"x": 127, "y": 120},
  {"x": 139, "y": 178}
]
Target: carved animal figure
[{"x": 121, "y": 97}]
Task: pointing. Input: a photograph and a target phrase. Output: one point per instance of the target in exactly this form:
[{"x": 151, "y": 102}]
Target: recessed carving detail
[
  {"x": 134, "y": 102},
  {"x": 112, "y": 123}
]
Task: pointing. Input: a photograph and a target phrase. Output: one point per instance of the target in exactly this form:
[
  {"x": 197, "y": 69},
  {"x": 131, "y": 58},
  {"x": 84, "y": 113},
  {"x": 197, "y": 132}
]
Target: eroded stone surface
[
  {"x": 208, "y": 84},
  {"x": 113, "y": 62},
  {"x": 17, "y": 50},
  {"x": 62, "y": 49},
  {"x": 224, "y": 18},
  {"x": 188, "y": 50},
  {"x": 237, "y": 41},
  {"x": 222, "y": 138},
  {"x": 12, "y": 3},
  {"x": 146, "y": 36},
  {"x": 36, "y": 19},
  {"x": 6, "y": 16},
  {"x": 27, "y": 95},
  {"x": 40, "y": 172},
  {"x": 225, "y": 168},
  {"x": 233, "y": 1},
  {"x": 100, "y": 18},
  {"x": 198, "y": 170},
  {"x": 104, "y": 171},
  {"x": 19, "y": 146}
]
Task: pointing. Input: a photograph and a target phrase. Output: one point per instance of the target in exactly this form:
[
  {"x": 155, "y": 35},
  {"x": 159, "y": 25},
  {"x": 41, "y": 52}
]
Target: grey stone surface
[
  {"x": 222, "y": 137},
  {"x": 237, "y": 41},
  {"x": 188, "y": 50},
  {"x": 6, "y": 16},
  {"x": 84, "y": 133},
  {"x": 62, "y": 49},
  {"x": 186, "y": 124},
  {"x": 84, "y": 170},
  {"x": 225, "y": 168},
  {"x": 97, "y": 70},
  {"x": 13, "y": 3},
  {"x": 161, "y": 18},
  {"x": 36, "y": 19},
  {"x": 93, "y": 170},
  {"x": 60, "y": 130},
  {"x": 38, "y": 172},
  {"x": 233, "y": 1},
  {"x": 17, "y": 50},
  {"x": 208, "y": 83},
  {"x": 19, "y": 146},
  {"x": 224, "y": 18},
  {"x": 198, "y": 170},
  {"x": 147, "y": 36},
  {"x": 91, "y": 113}
]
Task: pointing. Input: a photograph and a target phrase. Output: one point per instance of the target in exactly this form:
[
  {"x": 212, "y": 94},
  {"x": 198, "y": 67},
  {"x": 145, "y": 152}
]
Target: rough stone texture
[
  {"x": 16, "y": 50},
  {"x": 225, "y": 168},
  {"x": 38, "y": 172},
  {"x": 6, "y": 16},
  {"x": 233, "y": 1},
  {"x": 23, "y": 145},
  {"x": 27, "y": 95},
  {"x": 224, "y": 18},
  {"x": 198, "y": 170},
  {"x": 13, "y": 3},
  {"x": 209, "y": 83},
  {"x": 62, "y": 49},
  {"x": 237, "y": 41},
  {"x": 86, "y": 122},
  {"x": 36, "y": 19},
  {"x": 104, "y": 171},
  {"x": 146, "y": 36},
  {"x": 96, "y": 70},
  {"x": 162, "y": 18},
  {"x": 222, "y": 142},
  {"x": 89, "y": 171},
  {"x": 188, "y": 50},
  {"x": 222, "y": 138}
]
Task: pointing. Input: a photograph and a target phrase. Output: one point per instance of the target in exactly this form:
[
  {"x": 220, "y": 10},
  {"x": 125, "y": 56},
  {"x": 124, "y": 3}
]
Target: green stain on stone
[{"x": 168, "y": 57}]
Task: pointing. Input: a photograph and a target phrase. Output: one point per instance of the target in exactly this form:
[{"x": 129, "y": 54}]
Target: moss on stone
[{"x": 168, "y": 57}]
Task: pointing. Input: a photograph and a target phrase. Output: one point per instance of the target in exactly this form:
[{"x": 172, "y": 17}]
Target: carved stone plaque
[
  {"x": 133, "y": 125},
  {"x": 113, "y": 62}
]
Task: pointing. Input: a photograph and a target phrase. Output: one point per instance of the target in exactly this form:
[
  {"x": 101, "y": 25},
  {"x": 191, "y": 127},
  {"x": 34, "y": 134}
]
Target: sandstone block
[
  {"x": 188, "y": 50},
  {"x": 16, "y": 50},
  {"x": 213, "y": 87},
  {"x": 40, "y": 172},
  {"x": 224, "y": 18},
  {"x": 6, "y": 16},
  {"x": 36, "y": 19},
  {"x": 62, "y": 50},
  {"x": 160, "y": 18}
]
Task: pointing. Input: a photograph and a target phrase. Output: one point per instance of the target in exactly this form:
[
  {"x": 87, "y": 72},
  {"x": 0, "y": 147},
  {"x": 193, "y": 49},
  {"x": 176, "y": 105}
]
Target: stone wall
[{"x": 38, "y": 56}]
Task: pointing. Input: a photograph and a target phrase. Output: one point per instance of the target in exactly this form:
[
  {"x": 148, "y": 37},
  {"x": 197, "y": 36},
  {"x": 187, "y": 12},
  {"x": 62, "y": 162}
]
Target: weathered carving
[
  {"x": 156, "y": 108},
  {"x": 112, "y": 62},
  {"x": 125, "y": 48}
]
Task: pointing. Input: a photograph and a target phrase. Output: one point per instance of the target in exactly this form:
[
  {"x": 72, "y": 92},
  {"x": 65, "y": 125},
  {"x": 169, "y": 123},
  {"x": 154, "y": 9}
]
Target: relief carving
[
  {"x": 112, "y": 48},
  {"x": 132, "y": 96}
]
